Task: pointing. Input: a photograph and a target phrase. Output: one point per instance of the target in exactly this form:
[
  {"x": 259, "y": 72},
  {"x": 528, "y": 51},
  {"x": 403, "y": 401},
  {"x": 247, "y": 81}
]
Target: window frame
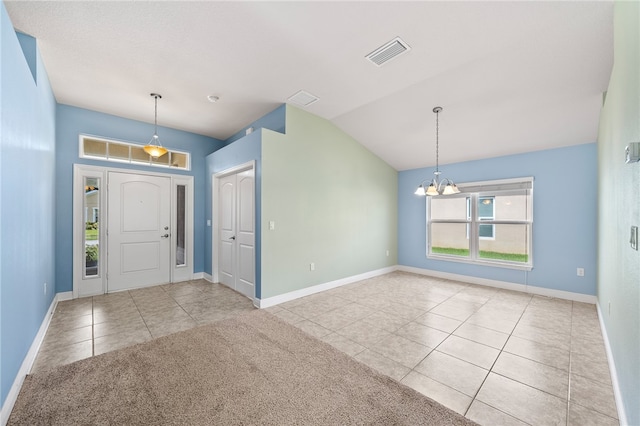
[
  {"x": 483, "y": 218},
  {"x": 130, "y": 159},
  {"x": 474, "y": 191}
]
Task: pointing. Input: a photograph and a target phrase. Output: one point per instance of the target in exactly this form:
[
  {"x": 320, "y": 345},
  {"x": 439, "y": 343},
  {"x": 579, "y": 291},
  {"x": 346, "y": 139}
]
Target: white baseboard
[
  {"x": 207, "y": 277},
  {"x": 622, "y": 416},
  {"x": 198, "y": 275},
  {"x": 560, "y": 294},
  {"x": 30, "y": 358},
  {"x": 296, "y": 294},
  {"x": 65, "y": 295}
]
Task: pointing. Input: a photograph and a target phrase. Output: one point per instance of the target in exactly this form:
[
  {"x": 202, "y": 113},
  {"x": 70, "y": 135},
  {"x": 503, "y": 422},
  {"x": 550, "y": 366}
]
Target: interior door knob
[
  {"x": 232, "y": 237},
  {"x": 164, "y": 236}
]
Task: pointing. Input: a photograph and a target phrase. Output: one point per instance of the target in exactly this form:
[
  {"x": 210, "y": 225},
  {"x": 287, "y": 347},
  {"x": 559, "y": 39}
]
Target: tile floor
[
  {"x": 498, "y": 357},
  {"x": 90, "y": 326}
]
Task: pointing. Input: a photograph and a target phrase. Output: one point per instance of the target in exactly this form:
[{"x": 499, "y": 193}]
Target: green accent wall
[
  {"x": 333, "y": 202},
  {"x": 619, "y": 208}
]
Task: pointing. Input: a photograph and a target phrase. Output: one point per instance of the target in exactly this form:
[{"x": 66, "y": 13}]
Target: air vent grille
[
  {"x": 389, "y": 51},
  {"x": 302, "y": 98}
]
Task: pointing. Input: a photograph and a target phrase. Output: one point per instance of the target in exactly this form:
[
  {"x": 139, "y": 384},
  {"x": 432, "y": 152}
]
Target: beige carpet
[{"x": 253, "y": 369}]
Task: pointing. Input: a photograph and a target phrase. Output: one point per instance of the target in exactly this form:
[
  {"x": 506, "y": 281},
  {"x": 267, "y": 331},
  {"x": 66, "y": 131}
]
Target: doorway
[
  {"x": 131, "y": 229},
  {"x": 234, "y": 229}
]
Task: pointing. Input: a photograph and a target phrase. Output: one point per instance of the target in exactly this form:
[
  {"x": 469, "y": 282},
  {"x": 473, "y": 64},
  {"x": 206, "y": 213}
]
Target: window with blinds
[{"x": 487, "y": 223}]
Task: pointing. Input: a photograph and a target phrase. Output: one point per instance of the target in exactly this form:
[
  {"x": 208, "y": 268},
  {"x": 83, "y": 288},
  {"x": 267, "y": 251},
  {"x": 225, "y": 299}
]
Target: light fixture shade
[
  {"x": 420, "y": 190},
  {"x": 455, "y": 188},
  {"x": 155, "y": 150},
  {"x": 448, "y": 190},
  {"x": 432, "y": 190}
]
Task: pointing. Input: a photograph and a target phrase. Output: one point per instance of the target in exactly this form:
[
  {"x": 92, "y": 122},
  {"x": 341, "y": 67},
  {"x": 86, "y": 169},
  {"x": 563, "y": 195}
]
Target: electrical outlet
[
  {"x": 45, "y": 288},
  {"x": 387, "y": 253},
  {"x": 272, "y": 225},
  {"x": 312, "y": 266},
  {"x": 609, "y": 308},
  {"x": 580, "y": 272}
]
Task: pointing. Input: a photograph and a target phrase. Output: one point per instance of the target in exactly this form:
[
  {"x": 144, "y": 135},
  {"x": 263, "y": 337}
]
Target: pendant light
[
  {"x": 436, "y": 186},
  {"x": 154, "y": 148}
]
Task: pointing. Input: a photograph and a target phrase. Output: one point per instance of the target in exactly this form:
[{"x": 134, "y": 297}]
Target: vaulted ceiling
[{"x": 512, "y": 76}]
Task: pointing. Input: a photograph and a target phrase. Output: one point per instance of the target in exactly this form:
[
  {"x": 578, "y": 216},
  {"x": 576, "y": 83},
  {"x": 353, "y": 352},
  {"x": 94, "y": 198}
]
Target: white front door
[
  {"x": 236, "y": 244},
  {"x": 139, "y": 243}
]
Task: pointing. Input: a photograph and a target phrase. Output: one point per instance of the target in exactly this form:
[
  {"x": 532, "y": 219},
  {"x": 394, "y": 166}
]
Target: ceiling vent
[
  {"x": 387, "y": 52},
  {"x": 302, "y": 98}
]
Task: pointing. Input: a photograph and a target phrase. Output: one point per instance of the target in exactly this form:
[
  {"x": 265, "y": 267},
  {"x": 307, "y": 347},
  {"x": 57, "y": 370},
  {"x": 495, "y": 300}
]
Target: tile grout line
[
  {"x": 496, "y": 360},
  {"x": 181, "y": 307},
  {"x": 140, "y": 313}
]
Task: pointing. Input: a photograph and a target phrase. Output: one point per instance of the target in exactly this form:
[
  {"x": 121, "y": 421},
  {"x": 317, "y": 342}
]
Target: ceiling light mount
[
  {"x": 436, "y": 185},
  {"x": 154, "y": 148},
  {"x": 213, "y": 98}
]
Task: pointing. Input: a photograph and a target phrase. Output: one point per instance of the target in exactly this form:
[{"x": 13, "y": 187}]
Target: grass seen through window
[{"x": 510, "y": 257}]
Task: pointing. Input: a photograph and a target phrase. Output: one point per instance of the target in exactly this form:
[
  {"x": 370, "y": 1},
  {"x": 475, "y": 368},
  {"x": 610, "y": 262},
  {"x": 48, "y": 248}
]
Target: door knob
[
  {"x": 232, "y": 238},
  {"x": 164, "y": 236}
]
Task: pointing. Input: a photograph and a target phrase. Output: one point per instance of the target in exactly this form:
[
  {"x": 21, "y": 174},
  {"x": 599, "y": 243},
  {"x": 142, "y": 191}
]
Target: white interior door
[
  {"x": 227, "y": 234},
  {"x": 236, "y": 244},
  {"x": 245, "y": 238},
  {"x": 139, "y": 243}
]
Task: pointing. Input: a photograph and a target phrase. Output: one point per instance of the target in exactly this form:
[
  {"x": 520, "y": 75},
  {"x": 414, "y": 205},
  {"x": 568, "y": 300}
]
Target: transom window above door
[{"x": 126, "y": 152}]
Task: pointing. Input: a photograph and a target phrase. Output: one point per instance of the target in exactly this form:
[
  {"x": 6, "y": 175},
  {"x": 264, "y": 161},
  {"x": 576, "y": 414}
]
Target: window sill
[{"x": 505, "y": 265}]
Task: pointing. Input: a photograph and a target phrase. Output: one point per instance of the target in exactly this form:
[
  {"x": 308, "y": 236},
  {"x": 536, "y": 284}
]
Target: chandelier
[
  {"x": 437, "y": 186},
  {"x": 154, "y": 148}
]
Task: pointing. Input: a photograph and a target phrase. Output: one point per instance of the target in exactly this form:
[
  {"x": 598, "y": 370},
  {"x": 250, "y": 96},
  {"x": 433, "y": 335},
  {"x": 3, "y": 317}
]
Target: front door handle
[
  {"x": 232, "y": 238},
  {"x": 164, "y": 236}
]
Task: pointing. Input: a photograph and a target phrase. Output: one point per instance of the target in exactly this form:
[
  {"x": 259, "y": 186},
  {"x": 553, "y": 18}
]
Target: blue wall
[
  {"x": 27, "y": 200},
  {"x": 241, "y": 149},
  {"x": 71, "y": 122},
  {"x": 564, "y": 217},
  {"x": 239, "y": 152},
  {"x": 275, "y": 120}
]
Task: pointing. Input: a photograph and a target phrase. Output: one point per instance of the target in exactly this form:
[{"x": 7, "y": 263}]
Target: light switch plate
[
  {"x": 634, "y": 238},
  {"x": 632, "y": 153}
]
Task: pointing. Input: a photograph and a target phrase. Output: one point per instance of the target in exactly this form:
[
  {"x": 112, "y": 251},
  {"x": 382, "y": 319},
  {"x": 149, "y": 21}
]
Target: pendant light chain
[
  {"x": 437, "y": 186},
  {"x": 155, "y": 119},
  {"x": 437, "y": 111}
]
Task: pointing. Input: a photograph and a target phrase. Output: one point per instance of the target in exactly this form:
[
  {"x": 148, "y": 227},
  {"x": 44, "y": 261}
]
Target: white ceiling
[{"x": 511, "y": 76}]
